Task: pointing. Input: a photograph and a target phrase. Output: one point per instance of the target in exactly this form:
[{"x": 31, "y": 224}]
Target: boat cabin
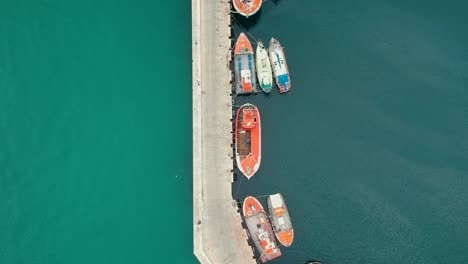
[
  {"x": 246, "y": 81},
  {"x": 248, "y": 119}
]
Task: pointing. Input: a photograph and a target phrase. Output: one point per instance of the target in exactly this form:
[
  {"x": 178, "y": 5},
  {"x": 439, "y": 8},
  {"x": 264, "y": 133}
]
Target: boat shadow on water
[
  {"x": 312, "y": 262},
  {"x": 247, "y": 22}
]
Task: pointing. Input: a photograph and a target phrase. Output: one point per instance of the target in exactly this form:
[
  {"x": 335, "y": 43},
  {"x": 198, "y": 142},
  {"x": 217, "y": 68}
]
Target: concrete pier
[{"x": 217, "y": 231}]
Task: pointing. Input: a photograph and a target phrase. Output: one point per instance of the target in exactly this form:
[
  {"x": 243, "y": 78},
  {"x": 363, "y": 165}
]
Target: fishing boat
[
  {"x": 248, "y": 140},
  {"x": 280, "y": 219},
  {"x": 280, "y": 67},
  {"x": 247, "y": 7},
  {"x": 265, "y": 78},
  {"x": 260, "y": 229},
  {"x": 244, "y": 66}
]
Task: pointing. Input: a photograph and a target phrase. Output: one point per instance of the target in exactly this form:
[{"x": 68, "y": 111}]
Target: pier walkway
[{"x": 218, "y": 234}]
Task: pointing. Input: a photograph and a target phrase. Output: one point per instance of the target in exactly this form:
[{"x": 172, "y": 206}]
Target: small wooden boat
[
  {"x": 280, "y": 67},
  {"x": 247, "y": 7},
  {"x": 248, "y": 140},
  {"x": 260, "y": 229},
  {"x": 265, "y": 78},
  {"x": 244, "y": 66},
  {"x": 280, "y": 219}
]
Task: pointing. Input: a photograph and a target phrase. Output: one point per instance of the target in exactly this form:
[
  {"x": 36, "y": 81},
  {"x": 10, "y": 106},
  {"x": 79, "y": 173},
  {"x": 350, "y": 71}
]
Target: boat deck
[
  {"x": 255, "y": 225},
  {"x": 244, "y": 62},
  {"x": 280, "y": 222},
  {"x": 285, "y": 225},
  {"x": 244, "y": 145}
]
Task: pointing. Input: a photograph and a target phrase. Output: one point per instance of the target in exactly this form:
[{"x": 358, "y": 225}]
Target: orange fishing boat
[
  {"x": 280, "y": 219},
  {"x": 260, "y": 229},
  {"x": 248, "y": 140},
  {"x": 247, "y": 7},
  {"x": 244, "y": 66}
]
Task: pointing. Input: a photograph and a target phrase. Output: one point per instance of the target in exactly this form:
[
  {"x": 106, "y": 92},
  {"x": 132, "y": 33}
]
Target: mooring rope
[
  {"x": 235, "y": 33},
  {"x": 260, "y": 196},
  {"x": 255, "y": 40},
  {"x": 238, "y": 187}
]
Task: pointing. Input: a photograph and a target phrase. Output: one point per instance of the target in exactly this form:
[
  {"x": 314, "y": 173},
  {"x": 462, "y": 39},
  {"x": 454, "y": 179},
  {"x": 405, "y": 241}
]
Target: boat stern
[
  {"x": 286, "y": 237},
  {"x": 266, "y": 85},
  {"x": 284, "y": 84},
  {"x": 248, "y": 166},
  {"x": 247, "y": 7}
]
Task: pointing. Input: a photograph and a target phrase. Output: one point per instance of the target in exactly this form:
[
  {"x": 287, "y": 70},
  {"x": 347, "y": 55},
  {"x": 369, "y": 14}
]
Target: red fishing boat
[
  {"x": 260, "y": 229},
  {"x": 248, "y": 140},
  {"x": 247, "y": 7}
]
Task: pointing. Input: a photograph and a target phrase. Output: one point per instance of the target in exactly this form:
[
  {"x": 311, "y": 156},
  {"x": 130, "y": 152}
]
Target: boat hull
[
  {"x": 244, "y": 66},
  {"x": 247, "y": 7},
  {"x": 260, "y": 229},
  {"x": 264, "y": 75},
  {"x": 279, "y": 65},
  {"x": 248, "y": 140},
  {"x": 280, "y": 219}
]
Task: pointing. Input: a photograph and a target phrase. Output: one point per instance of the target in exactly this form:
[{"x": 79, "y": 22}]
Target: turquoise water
[
  {"x": 95, "y": 132},
  {"x": 370, "y": 147}
]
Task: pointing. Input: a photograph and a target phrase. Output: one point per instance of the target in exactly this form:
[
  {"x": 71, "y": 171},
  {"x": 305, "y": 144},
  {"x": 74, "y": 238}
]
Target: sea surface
[
  {"x": 95, "y": 132},
  {"x": 369, "y": 148}
]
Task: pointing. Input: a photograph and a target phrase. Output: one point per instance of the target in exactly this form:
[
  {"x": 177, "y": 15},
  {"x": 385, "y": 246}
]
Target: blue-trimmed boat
[
  {"x": 244, "y": 66},
  {"x": 279, "y": 65}
]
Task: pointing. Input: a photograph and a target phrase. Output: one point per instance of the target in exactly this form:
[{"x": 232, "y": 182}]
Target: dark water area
[
  {"x": 370, "y": 147},
  {"x": 95, "y": 132}
]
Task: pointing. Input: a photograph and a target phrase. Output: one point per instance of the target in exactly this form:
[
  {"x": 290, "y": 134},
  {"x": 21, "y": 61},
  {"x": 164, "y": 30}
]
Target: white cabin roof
[
  {"x": 245, "y": 73},
  {"x": 276, "y": 200}
]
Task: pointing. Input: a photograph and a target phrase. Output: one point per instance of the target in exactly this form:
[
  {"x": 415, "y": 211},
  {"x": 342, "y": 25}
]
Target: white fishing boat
[
  {"x": 280, "y": 67},
  {"x": 265, "y": 77},
  {"x": 280, "y": 219}
]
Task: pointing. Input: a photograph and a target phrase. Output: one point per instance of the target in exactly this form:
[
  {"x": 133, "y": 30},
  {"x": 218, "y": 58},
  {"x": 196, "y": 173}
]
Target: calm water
[
  {"x": 370, "y": 147},
  {"x": 95, "y": 132}
]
